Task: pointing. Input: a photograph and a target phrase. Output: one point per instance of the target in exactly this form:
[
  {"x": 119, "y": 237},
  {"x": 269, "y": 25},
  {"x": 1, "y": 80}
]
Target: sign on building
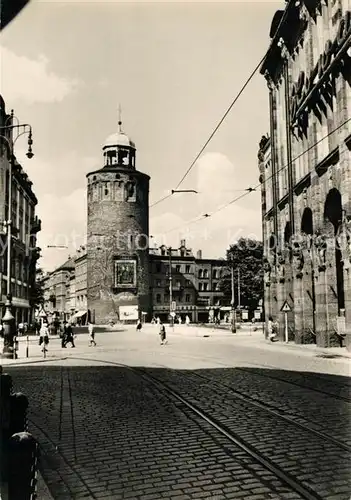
[
  {"x": 128, "y": 313},
  {"x": 245, "y": 314},
  {"x": 257, "y": 314}
]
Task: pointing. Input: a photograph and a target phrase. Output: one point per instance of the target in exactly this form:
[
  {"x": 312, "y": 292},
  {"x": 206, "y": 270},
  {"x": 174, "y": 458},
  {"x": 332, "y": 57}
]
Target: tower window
[
  {"x": 118, "y": 176},
  {"x": 94, "y": 178},
  {"x": 106, "y": 192},
  {"x": 187, "y": 298}
]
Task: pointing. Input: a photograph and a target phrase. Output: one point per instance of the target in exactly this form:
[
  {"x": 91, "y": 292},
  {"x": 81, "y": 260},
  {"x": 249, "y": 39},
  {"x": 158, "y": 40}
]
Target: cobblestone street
[{"x": 201, "y": 417}]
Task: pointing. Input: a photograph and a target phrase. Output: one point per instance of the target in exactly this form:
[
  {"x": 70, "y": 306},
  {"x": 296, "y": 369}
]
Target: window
[
  {"x": 158, "y": 282},
  {"x": 215, "y": 274},
  {"x": 205, "y": 287},
  {"x": 177, "y": 268},
  {"x": 178, "y": 284},
  {"x": 200, "y": 273},
  {"x": 158, "y": 298},
  {"x": 189, "y": 283},
  {"x": 200, "y": 287},
  {"x": 205, "y": 273},
  {"x": 158, "y": 267},
  {"x": 163, "y": 251},
  {"x": 187, "y": 298},
  {"x": 187, "y": 269}
]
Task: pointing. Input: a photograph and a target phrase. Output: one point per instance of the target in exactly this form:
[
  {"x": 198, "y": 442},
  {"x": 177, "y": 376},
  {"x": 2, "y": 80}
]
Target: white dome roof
[{"x": 118, "y": 139}]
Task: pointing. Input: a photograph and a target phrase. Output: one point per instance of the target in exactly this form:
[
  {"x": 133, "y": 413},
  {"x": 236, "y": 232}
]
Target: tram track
[
  {"x": 262, "y": 405},
  {"x": 190, "y": 404}
]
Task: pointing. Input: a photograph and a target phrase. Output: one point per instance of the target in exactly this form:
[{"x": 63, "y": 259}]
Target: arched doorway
[
  {"x": 307, "y": 229},
  {"x": 333, "y": 214}
]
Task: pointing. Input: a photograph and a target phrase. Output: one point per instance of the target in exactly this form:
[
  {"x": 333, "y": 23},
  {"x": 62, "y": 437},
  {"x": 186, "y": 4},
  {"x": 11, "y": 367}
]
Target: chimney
[
  {"x": 183, "y": 243},
  {"x": 199, "y": 254}
]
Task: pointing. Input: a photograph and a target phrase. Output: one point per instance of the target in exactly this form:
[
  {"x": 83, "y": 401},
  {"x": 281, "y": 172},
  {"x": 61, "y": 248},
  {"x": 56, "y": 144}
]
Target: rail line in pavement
[
  {"x": 288, "y": 479},
  {"x": 297, "y": 384},
  {"x": 263, "y": 406}
]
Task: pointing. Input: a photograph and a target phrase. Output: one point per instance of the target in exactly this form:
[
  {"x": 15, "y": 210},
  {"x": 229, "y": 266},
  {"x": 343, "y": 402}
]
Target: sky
[{"x": 174, "y": 68}]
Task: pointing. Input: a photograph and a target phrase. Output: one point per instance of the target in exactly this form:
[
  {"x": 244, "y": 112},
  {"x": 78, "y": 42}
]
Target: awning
[{"x": 79, "y": 314}]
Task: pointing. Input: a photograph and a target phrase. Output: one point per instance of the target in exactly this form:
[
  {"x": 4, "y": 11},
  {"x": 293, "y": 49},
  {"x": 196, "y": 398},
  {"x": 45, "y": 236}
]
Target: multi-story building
[
  {"x": 117, "y": 276},
  {"x": 194, "y": 283},
  {"x": 194, "y": 287},
  {"x": 25, "y": 225},
  {"x": 59, "y": 300},
  {"x": 305, "y": 171}
]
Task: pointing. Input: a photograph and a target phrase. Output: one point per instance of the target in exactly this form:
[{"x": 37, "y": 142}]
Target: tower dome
[
  {"x": 118, "y": 139},
  {"x": 119, "y": 150}
]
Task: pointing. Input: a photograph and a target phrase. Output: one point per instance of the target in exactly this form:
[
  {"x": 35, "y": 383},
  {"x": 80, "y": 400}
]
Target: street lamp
[
  {"x": 8, "y": 319},
  {"x": 232, "y": 303}
]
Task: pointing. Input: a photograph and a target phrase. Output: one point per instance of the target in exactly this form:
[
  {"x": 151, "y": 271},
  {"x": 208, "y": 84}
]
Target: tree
[{"x": 246, "y": 256}]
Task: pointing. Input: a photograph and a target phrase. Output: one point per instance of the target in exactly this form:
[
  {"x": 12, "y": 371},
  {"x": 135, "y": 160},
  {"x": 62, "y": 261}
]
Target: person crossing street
[{"x": 91, "y": 334}]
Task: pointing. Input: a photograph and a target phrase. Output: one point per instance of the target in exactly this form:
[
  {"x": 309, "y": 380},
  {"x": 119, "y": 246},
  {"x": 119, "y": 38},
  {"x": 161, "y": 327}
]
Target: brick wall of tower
[{"x": 118, "y": 228}]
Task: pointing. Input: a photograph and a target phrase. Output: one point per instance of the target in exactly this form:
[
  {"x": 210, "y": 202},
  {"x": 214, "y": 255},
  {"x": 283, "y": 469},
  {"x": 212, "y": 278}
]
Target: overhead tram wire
[
  {"x": 213, "y": 132},
  {"x": 251, "y": 189}
]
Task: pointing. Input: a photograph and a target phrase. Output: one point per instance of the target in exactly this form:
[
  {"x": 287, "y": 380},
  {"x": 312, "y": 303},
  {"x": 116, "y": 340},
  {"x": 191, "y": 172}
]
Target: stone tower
[{"x": 118, "y": 235}]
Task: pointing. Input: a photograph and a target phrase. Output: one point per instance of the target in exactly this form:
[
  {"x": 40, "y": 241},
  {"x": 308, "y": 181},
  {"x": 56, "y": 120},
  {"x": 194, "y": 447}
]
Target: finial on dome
[{"x": 120, "y": 119}]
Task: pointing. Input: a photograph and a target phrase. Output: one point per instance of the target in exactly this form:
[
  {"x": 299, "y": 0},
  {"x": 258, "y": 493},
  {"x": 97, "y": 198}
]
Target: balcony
[{"x": 35, "y": 225}]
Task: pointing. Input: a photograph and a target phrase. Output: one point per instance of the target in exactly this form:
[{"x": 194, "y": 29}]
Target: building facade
[
  {"x": 194, "y": 283},
  {"x": 117, "y": 277},
  {"x": 305, "y": 171},
  {"x": 25, "y": 225},
  {"x": 194, "y": 288}
]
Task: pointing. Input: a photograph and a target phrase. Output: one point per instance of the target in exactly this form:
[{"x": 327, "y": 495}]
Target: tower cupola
[{"x": 119, "y": 150}]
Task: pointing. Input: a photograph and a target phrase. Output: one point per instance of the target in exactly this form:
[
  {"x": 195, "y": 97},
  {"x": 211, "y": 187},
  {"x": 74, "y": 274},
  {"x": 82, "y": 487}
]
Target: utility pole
[
  {"x": 239, "y": 294},
  {"x": 233, "y": 298},
  {"x": 170, "y": 286},
  {"x": 238, "y": 288}
]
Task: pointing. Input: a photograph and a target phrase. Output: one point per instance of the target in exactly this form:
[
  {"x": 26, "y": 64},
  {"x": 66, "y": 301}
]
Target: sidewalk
[{"x": 248, "y": 336}]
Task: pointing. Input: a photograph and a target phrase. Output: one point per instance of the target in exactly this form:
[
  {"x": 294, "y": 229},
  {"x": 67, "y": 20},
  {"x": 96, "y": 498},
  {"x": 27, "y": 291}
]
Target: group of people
[
  {"x": 67, "y": 335},
  {"x": 162, "y": 329}
]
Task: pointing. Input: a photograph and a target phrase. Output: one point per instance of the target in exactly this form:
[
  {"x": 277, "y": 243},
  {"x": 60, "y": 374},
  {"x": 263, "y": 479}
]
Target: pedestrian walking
[
  {"x": 68, "y": 333},
  {"x": 187, "y": 320},
  {"x": 91, "y": 334},
  {"x": 44, "y": 336},
  {"x": 162, "y": 334},
  {"x": 139, "y": 325}
]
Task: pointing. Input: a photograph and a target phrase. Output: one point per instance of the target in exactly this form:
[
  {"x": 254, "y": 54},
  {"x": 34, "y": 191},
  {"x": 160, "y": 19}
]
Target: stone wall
[{"x": 118, "y": 229}]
